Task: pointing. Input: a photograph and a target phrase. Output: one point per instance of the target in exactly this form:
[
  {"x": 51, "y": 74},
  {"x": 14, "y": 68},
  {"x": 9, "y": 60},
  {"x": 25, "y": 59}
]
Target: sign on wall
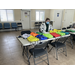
[
  {"x": 26, "y": 14},
  {"x": 57, "y": 14}
]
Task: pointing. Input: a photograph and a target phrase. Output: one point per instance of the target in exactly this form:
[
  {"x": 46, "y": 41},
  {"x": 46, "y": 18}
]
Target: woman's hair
[{"x": 47, "y": 19}]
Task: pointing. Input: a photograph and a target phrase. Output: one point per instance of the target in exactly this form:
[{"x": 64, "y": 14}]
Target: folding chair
[
  {"x": 39, "y": 51},
  {"x": 14, "y": 25},
  {"x": 60, "y": 43},
  {"x": 0, "y": 25},
  {"x": 6, "y": 26}
]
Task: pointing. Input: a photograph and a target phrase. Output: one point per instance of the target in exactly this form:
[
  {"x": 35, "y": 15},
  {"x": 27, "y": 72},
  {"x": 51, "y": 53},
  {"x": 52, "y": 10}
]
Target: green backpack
[
  {"x": 62, "y": 34},
  {"x": 71, "y": 30},
  {"x": 39, "y": 33},
  {"x": 48, "y": 35}
]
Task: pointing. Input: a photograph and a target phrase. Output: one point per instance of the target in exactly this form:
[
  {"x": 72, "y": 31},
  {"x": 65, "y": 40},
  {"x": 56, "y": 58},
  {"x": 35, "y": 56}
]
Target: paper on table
[{"x": 25, "y": 35}]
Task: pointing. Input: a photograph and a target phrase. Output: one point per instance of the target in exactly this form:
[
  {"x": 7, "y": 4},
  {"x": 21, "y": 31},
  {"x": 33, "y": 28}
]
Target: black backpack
[{"x": 23, "y": 32}]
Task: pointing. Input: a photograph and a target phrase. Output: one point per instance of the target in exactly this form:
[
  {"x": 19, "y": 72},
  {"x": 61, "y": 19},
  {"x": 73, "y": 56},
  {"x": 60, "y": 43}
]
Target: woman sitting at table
[{"x": 46, "y": 27}]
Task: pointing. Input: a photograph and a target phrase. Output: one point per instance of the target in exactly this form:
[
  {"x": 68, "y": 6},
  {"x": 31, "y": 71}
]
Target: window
[
  {"x": 6, "y": 15},
  {"x": 40, "y": 15}
]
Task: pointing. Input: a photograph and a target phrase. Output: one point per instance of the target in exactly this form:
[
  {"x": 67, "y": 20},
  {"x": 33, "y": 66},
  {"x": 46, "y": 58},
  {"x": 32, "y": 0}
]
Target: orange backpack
[{"x": 33, "y": 34}]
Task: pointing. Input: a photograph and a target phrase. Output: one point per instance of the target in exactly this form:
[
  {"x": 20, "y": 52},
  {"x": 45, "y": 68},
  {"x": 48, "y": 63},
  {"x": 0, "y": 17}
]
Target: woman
[{"x": 46, "y": 27}]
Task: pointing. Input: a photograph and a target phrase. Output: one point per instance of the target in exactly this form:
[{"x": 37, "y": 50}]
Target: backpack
[
  {"x": 65, "y": 32},
  {"x": 33, "y": 34},
  {"x": 41, "y": 37},
  {"x": 55, "y": 34},
  {"x": 48, "y": 35},
  {"x": 39, "y": 33},
  {"x": 62, "y": 34},
  {"x": 32, "y": 39}
]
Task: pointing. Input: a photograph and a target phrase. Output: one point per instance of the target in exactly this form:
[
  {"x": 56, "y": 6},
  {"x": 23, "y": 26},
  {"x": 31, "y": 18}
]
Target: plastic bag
[
  {"x": 33, "y": 34},
  {"x": 48, "y": 35},
  {"x": 41, "y": 37},
  {"x": 25, "y": 36},
  {"x": 39, "y": 33},
  {"x": 55, "y": 34},
  {"x": 62, "y": 34},
  {"x": 55, "y": 30},
  {"x": 32, "y": 39},
  {"x": 65, "y": 32}
]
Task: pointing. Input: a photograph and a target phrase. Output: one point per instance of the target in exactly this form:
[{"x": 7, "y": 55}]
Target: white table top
[{"x": 25, "y": 42}]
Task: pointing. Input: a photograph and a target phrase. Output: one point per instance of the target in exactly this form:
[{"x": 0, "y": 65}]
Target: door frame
[
  {"x": 29, "y": 19},
  {"x": 61, "y": 17}
]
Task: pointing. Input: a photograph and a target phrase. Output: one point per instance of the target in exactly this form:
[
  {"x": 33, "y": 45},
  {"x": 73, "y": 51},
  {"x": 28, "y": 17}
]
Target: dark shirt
[{"x": 47, "y": 25}]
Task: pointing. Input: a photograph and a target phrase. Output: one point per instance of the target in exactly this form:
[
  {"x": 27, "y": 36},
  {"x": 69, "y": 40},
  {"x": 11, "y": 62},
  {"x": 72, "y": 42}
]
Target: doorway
[
  {"x": 68, "y": 17},
  {"x": 25, "y": 15},
  {"x": 57, "y": 19}
]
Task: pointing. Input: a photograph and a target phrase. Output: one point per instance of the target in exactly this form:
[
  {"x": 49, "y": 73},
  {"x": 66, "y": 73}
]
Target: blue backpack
[{"x": 41, "y": 37}]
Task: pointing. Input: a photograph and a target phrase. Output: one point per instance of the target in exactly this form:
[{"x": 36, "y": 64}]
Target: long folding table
[{"x": 25, "y": 43}]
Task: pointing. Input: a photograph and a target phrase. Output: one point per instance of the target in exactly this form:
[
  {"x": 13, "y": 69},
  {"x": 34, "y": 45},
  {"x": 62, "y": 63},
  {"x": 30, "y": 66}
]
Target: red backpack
[{"x": 55, "y": 34}]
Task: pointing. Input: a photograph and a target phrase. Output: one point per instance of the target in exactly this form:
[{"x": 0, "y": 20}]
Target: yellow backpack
[
  {"x": 32, "y": 39},
  {"x": 55, "y": 30}
]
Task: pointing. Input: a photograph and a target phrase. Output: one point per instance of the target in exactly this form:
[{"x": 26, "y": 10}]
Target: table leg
[
  {"x": 23, "y": 50},
  {"x": 71, "y": 42},
  {"x": 28, "y": 55}
]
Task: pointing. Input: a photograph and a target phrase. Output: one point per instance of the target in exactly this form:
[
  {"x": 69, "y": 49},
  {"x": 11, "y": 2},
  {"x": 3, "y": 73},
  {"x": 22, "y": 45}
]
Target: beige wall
[
  {"x": 49, "y": 13},
  {"x": 33, "y": 16},
  {"x": 74, "y": 16},
  {"x": 52, "y": 15},
  {"x": 17, "y": 14}
]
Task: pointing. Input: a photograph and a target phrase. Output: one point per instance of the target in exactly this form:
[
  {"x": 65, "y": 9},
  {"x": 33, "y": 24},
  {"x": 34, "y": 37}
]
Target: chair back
[
  {"x": 63, "y": 39},
  {"x": 63, "y": 28},
  {"x": 0, "y": 25},
  {"x": 41, "y": 45},
  {"x": 6, "y": 25}
]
